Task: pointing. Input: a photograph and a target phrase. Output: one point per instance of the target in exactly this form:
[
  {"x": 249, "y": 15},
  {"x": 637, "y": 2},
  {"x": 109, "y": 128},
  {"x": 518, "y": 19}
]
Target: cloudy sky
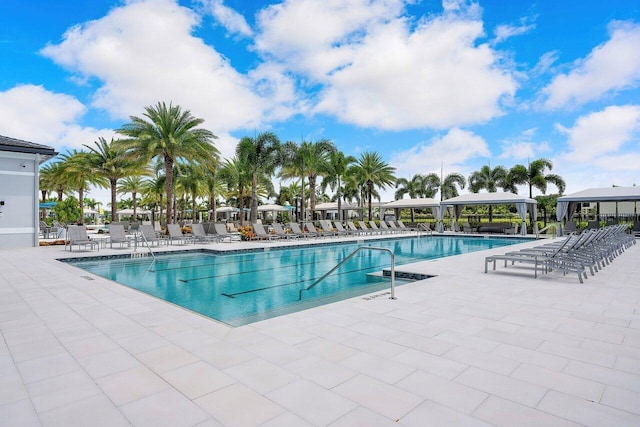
[{"x": 429, "y": 84}]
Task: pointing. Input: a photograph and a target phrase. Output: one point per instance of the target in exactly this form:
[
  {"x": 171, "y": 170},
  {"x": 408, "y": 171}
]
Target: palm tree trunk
[
  {"x": 370, "y": 199},
  {"x": 135, "y": 204},
  {"x": 168, "y": 171},
  {"x": 81, "y": 203},
  {"x": 312, "y": 195},
  {"x": 194, "y": 213},
  {"x": 241, "y": 204},
  {"x": 254, "y": 199},
  {"x": 302, "y": 201},
  {"x": 114, "y": 202}
]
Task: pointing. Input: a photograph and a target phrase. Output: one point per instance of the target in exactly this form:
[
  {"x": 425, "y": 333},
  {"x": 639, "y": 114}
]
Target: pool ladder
[
  {"x": 146, "y": 243},
  {"x": 351, "y": 255}
]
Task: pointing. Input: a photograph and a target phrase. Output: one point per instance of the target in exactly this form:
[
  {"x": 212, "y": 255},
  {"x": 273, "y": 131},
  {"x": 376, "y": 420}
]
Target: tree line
[{"x": 171, "y": 162}]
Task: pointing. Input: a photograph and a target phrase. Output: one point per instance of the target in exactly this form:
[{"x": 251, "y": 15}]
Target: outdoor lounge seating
[
  {"x": 222, "y": 233},
  {"x": 280, "y": 232},
  {"x": 295, "y": 228},
  {"x": 311, "y": 229},
  {"x": 592, "y": 250},
  {"x": 148, "y": 234},
  {"x": 118, "y": 235},
  {"x": 355, "y": 230},
  {"x": 176, "y": 234},
  {"x": 77, "y": 235},
  {"x": 327, "y": 228},
  {"x": 341, "y": 230},
  {"x": 200, "y": 235},
  {"x": 496, "y": 227},
  {"x": 261, "y": 233}
]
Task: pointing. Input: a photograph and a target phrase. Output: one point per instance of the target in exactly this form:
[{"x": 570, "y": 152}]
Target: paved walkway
[{"x": 462, "y": 348}]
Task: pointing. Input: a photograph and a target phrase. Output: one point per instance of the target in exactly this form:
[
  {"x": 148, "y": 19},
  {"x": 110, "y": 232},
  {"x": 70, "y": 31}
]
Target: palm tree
[
  {"x": 77, "y": 170},
  {"x": 262, "y": 155},
  {"x": 52, "y": 176},
  {"x": 133, "y": 185},
  {"x": 489, "y": 179},
  {"x": 335, "y": 174},
  {"x": 534, "y": 176},
  {"x": 373, "y": 172},
  {"x": 316, "y": 163},
  {"x": 293, "y": 167},
  {"x": 153, "y": 192},
  {"x": 448, "y": 186},
  {"x": 170, "y": 134},
  {"x": 415, "y": 187},
  {"x": 237, "y": 180},
  {"x": 190, "y": 182},
  {"x": 109, "y": 161}
]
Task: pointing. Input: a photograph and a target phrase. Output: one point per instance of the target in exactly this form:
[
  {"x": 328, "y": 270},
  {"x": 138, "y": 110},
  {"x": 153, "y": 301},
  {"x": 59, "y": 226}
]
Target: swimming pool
[{"x": 242, "y": 288}]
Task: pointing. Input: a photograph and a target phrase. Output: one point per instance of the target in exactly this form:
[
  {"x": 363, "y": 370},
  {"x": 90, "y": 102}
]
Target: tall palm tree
[
  {"x": 190, "y": 181},
  {"x": 171, "y": 134},
  {"x": 78, "y": 173},
  {"x": 533, "y": 175},
  {"x": 109, "y": 161},
  {"x": 293, "y": 166},
  {"x": 52, "y": 176},
  {"x": 448, "y": 185},
  {"x": 153, "y": 192},
  {"x": 316, "y": 163},
  {"x": 262, "y": 155},
  {"x": 133, "y": 185},
  {"x": 234, "y": 174},
  {"x": 335, "y": 174},
  {"x": 373, "y": 172}
]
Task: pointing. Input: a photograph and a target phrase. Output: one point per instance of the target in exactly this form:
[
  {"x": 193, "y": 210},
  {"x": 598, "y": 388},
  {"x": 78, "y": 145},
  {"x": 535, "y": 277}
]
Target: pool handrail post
[{"x": 351, "y": 255}]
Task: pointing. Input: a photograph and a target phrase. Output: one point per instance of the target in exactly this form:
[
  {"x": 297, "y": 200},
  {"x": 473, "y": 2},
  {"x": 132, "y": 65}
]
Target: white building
[{"x": 19, "y": 163}]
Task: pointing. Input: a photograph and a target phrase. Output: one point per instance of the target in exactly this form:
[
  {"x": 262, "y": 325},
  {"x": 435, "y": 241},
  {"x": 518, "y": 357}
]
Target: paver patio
[{"x": 461, "y": 348}]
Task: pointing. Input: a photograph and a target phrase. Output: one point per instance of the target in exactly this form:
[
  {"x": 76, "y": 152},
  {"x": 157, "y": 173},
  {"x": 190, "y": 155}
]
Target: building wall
[{"x": 19, "y": 192}]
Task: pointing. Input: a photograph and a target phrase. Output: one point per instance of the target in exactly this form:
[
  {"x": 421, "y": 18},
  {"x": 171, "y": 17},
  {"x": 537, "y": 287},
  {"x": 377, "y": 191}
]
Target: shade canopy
[
  {"x": 333, "y": 206},
  {"x": 568, "y": 204},
  {"x": 412, "y": 203},
  {"x": 226, "y": 209},
  {"x": 271, "y": 208},
  {"x": 522, "y": 203}
]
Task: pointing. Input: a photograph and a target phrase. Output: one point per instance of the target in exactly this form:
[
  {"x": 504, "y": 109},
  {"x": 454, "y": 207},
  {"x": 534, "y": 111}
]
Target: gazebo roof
[
  {"x": 333, "y": 206},
  {"x": 489, "y": 199},
  {"x": 412, "y": 203},
  {"x": 607, "y": 194}
]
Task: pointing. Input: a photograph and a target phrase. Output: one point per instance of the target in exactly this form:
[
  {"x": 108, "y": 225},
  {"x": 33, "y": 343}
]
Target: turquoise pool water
[{"x": 245, "y": 287}]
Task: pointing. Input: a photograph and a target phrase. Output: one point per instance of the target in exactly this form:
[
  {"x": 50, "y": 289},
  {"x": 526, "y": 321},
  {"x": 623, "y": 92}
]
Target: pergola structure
[
  {"x": 568, "y": 204},
  {"x": 522, "y": 204},
  {"x": 418, "y": 203}
]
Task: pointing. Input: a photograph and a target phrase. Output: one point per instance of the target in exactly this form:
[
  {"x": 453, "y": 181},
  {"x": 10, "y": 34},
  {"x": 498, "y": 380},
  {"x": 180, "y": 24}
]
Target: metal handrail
[
  {"x": 146, "y": 242},
  {"x": 373, "y": 248}
]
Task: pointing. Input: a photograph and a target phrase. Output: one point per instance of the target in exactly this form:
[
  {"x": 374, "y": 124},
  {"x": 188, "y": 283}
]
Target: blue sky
[{"x": 428, "y": 84}]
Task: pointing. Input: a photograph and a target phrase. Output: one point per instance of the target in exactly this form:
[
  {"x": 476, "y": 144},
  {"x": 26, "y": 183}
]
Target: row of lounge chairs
[
  {"x": 210, "y": 232},
  {"x": 577, "y": 253}
]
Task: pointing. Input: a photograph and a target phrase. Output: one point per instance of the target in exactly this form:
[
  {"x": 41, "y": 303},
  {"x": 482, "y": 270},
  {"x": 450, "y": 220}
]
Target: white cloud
[
  {"x": 35, "y": 114},
  {"x": 229, "y": 18},
  {"x": 506, "y": 31},
  {"x": 523, "y": 147},
  {"x": 144, "y": 52},
  {"x": 451, "y": 152},
  {"x": 378, "y": 72},
  {"x": 545, "y": 62},
  {"x": 610, "y": 67},
  {"x": 603, "y": 133}
]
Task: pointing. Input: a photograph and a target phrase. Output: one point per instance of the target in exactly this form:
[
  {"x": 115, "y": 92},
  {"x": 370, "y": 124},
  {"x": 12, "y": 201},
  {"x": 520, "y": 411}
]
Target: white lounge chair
[{"x": 261, "y": 233}]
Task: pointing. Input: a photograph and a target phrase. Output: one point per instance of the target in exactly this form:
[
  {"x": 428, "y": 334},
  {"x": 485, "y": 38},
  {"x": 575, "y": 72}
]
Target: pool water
[{"x": 246, "y": 287}]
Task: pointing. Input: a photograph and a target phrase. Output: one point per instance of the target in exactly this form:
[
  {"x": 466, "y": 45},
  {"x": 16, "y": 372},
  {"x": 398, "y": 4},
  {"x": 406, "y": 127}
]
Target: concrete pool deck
[{"x": 461, "y": 348}]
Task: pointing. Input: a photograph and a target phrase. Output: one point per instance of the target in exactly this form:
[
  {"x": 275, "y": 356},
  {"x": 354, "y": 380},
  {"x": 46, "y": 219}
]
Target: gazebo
[
  {"x": 568, "y": 204},
  {"x": 419, "y": 203},
  {"x": 333, "y": 206},
  {"x": 522, "y": 204}
]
